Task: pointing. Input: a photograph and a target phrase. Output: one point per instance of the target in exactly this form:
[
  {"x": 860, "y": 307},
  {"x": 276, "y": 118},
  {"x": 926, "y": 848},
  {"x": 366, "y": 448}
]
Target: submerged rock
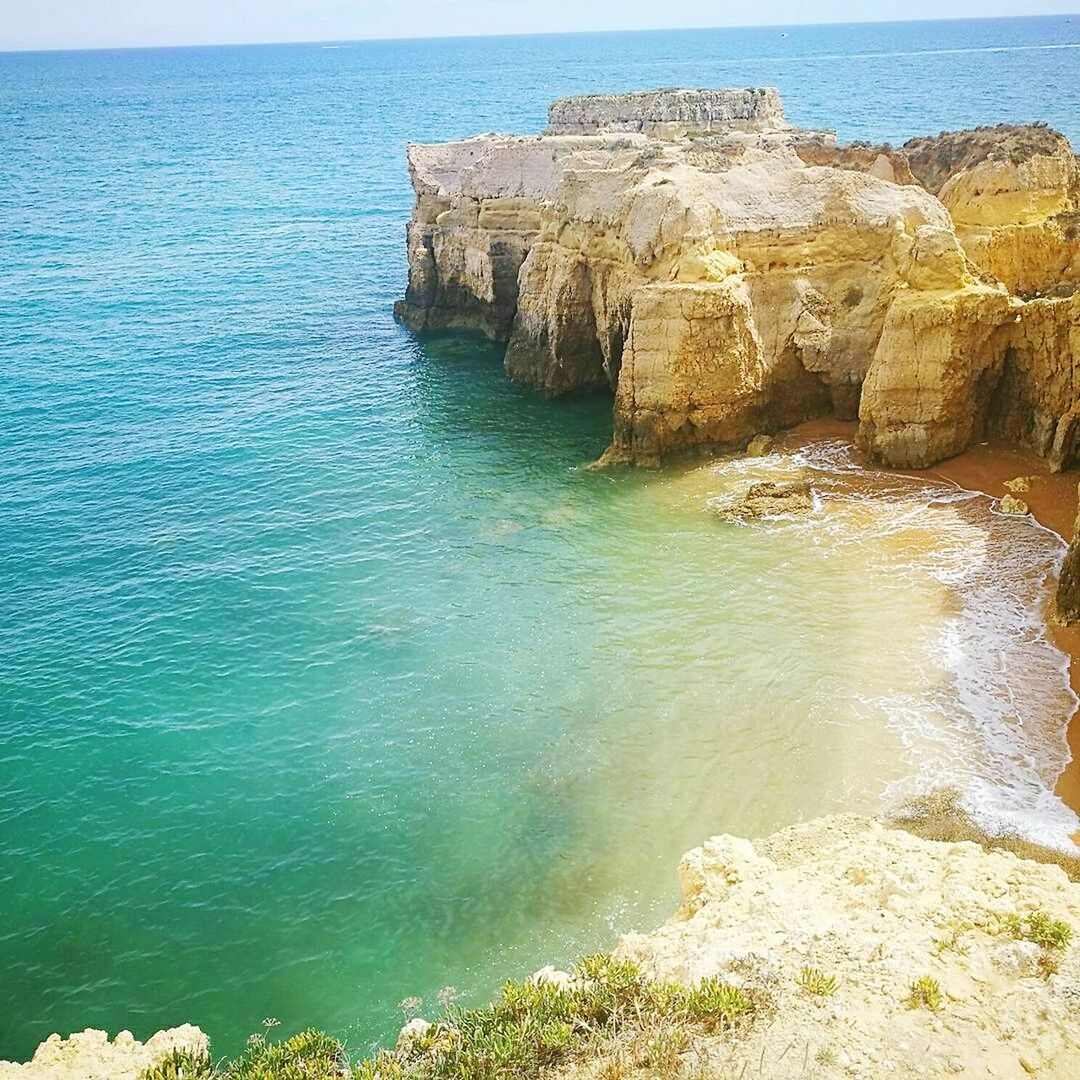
[
  {"x": 767, "y": 499},
  {"x": 723, "y": 274}
]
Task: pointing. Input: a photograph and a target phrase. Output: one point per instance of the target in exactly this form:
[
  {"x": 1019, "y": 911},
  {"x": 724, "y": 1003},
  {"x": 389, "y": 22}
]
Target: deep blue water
[{"x": 313, "y": 638}]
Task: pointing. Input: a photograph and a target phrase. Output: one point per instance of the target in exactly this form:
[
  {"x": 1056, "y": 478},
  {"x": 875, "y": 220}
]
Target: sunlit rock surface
[
  {"x": 92, "y": 1055},
  {"x": 724, "y": 275}
]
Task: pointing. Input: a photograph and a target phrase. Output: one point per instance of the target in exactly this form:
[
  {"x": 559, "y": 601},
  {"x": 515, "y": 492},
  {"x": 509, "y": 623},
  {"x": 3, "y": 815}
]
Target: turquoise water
[{"x": 327, "y": 676}]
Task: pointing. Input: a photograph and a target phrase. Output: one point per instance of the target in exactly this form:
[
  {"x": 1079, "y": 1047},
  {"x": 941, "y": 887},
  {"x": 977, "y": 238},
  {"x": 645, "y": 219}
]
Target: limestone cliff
[
  {"x": 876, "y": 910},
  {"x": 669, "y": 113},
  {"x": 723, "y": 274},
  {"x": 91, "y": 1055}
]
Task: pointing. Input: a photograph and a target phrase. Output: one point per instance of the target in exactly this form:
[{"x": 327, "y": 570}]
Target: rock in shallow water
[
  {"x": 1010, "y": 504},
  {"x": 760, "y": 445},
  {"x": 767, "y": 499}
]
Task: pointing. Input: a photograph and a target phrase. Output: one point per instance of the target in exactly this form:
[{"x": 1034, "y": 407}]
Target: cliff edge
[
  {"x": 924, "y": 958},
  {"x": 91, "y": 1055},
  {"x": 723, "y": 274},
  {"x": 837, "y": 949}
]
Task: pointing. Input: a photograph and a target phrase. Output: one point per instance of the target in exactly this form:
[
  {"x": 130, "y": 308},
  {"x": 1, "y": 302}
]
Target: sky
[{"x": 73, "y": 24}]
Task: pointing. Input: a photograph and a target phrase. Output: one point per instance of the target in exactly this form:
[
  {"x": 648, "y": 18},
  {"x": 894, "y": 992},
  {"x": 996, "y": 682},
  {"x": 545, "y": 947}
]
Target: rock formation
[
  {"x": 765, "y": 500},
  {"x": 668, "y": 114},
  {"x": 1068, "y": 591},
  {"x": 876, "y": 910},
  {"x": 724, "y": 275},
  {"x": 90, "y": 1055}
]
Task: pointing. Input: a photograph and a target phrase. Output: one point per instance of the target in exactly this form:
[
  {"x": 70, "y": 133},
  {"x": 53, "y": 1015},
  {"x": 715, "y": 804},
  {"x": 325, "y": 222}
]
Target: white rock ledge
[{"x": 91, "y": 1055}]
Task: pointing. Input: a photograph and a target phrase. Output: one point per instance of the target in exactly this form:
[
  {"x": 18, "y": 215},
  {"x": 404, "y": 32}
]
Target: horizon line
[{"x": 527, "y": 34}]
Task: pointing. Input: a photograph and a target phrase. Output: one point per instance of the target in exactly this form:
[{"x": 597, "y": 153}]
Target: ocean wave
[{"x": 987, "y": 705}]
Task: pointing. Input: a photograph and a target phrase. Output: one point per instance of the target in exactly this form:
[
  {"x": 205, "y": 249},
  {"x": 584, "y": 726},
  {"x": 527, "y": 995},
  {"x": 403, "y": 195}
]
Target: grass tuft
[
  {"x": 925, "y": 993},
  {"x": 816, "y": 982}
]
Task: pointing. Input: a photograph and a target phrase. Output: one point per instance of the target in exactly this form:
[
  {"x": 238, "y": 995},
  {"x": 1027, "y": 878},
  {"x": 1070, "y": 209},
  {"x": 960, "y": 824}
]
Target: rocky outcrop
[
  {"x": 669, "y": 113},
  {"x": 723, "y": 275},
  {"x": 90, "y": 1055},
  {"x": 875, "y": 910},
  {"x": 765, "y": 500},
  {"x": 1068, "y": 590},
  {"x": 1012, "y": 193}
]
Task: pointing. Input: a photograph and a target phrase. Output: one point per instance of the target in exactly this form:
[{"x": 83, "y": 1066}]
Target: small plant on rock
[
  {"x": 181, "y": 1065},
  {"x": 826, "y": 1055},
  {"x": 815, "y": 982},
  {"x": 925, "y": 993},
  {"x": 1040, "y": 928},
  {"x": 954, "y": 940},
  {"x": 1050, "y": 934},
  {"x": 715, "y": 1005}
]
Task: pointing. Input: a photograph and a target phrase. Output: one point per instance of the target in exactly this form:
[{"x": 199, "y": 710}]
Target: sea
[{"x": 330, "y": 676}]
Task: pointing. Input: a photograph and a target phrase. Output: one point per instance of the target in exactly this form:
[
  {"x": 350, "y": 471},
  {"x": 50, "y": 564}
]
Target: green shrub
[
  {"x": 182, "y": 1065},
  {"x": 1040, "y": 928},
  {"x": 311, "y": 1055},
  {"x": 925, "y": 993},
  {"x": 532, "y": 1027},
  {"x": 816, "y": 982}
]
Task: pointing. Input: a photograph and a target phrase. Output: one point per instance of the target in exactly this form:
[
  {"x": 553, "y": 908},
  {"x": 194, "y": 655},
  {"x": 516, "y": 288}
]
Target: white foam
[{"x": 989, "y": 703}]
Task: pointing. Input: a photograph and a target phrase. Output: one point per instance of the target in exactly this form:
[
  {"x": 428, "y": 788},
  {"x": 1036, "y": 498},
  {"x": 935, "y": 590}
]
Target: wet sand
[{"x": 1052, "y": 498}]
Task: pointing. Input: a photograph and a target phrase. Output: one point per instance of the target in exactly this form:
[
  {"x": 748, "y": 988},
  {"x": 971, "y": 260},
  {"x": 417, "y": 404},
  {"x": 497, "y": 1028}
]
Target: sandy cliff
[{"x": 723, "y": 274}]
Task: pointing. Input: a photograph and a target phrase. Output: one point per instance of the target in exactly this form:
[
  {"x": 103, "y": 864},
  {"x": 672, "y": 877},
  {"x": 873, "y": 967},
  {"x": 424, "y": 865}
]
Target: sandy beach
[{"x": 1052, "y": 498}]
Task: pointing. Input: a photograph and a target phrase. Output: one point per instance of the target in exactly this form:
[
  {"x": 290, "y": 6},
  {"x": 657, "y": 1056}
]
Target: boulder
[{"x": 767, "y": 499}]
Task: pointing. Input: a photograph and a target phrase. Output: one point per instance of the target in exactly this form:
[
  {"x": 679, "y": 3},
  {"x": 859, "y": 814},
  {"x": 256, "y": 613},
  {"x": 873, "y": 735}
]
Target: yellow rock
[{"x": 760, "y": 276}]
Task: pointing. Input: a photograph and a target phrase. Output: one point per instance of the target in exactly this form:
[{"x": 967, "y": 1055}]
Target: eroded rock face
[
  {"x": 870, "y": 907},
  {"x": 1068, "y": 592},
  {"x": 726, "y": 276},
  {"x": 91, "y": 1055}
]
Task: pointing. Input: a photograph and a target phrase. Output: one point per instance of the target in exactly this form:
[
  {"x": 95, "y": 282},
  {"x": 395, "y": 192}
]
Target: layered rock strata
[
  {"x": 669, "y": 113},
  {"x": 1068, "y": 591},
  {"x": 724, "y": 275}
]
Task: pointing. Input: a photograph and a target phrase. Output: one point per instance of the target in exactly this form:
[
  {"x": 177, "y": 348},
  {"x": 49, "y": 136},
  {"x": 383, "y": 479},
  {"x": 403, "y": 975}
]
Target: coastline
[{"x": 1053, "y": 501}]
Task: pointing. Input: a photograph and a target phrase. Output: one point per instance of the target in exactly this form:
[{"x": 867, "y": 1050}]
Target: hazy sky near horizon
[{"x": 62, "y": 24}]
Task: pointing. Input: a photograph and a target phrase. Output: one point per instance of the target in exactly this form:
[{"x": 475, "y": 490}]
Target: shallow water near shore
[{"x": 328, "y": 674}]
